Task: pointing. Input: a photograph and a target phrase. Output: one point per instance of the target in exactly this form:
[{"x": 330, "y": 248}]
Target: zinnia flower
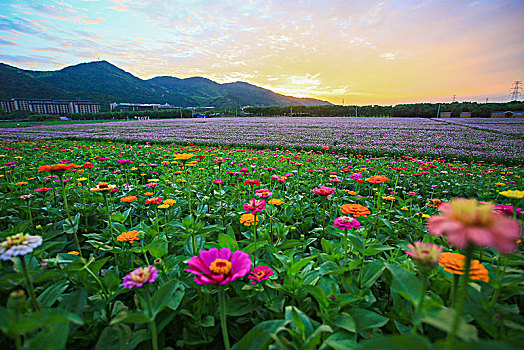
[
  {"x": 169, "y": 201},
  {"x": 43, "y": 189},
  {"x": 424, "y": 253},
  {"x": 513, "y": 194},
  {"x": 57, "y": 167},
  {"x": 377, "y": 179},
  {"x": 219, "y": 267},
  {"x": 19, "y": 244},
  {"x": 251, "y": 182},
  {"x": 128, "y": 199},
  {"x": 254, "y": 206},
  {"x": 103, "y": 187},
  {"x": 464, "y": 222},
  {"x": 275, "y": 201},
  {"x": 507, "y": 210},
  {"x": 260, "y": 273},
  {"x": 323, "y": 190},
  {"x": 263, "y": 193},
  {"x": 355, "y": 210},
  {"x": 248, "y": 219},
  {"x": 454, "y": 264},
  {"x": 154, "y": 200},
  {"x": 140, "y": 276},
  {"x": 129, "y": 236},
  {"x": 346, "y": 223}
]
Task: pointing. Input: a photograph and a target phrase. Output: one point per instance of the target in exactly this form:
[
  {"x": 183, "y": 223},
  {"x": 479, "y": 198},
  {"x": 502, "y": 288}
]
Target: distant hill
[{"x": 103, "y": 82}]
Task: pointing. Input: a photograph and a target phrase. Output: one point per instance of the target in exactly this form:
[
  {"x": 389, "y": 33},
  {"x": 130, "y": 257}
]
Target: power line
[{"x": 514, "y": 95}]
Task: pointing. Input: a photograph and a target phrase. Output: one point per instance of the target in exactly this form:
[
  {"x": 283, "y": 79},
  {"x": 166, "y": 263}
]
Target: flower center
[
  {"x": 220, "y": 267},
  {"x": 103, "y": 185}
]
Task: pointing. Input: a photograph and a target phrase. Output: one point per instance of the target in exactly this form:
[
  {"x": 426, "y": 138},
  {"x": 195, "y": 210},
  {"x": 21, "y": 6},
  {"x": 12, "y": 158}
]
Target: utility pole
[
  {"x": 356, "y": 111},
  {"x": 342, "y": 102},
  {"x": 487, "y": 99},
  {"x": 180, "y": 113},
  {"x": 291, "y": 114},
  {"x": 454, "y": 99},
  {"x": 438, "y": 111},
  {"x": 514, "y": 95}
]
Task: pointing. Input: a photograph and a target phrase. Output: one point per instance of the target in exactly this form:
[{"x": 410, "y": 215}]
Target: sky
[{"x": 343, "y": 51}]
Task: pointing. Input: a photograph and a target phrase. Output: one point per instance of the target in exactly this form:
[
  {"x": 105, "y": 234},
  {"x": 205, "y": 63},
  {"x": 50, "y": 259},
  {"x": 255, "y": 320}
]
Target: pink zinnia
[
  {"x": 219, "y": 267},
  {"x": 260, "y": 273},
  {"x": 254, "y": 206},
  {"x": 463, "y": 222},
  {"x": 355, "y": 176},
  {"x": 323, "y": 190},
  {"x": 263, "y": 193},
  {"x": 140, "y": 276},
  {"x": 507, "y": 210},
  {"x": 424, "y": 253},
  {"x": 346, "y": 223}
]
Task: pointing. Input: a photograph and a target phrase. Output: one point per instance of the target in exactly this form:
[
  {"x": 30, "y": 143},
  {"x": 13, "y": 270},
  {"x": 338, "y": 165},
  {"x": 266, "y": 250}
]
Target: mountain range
[{"x": 104, "y": 82}]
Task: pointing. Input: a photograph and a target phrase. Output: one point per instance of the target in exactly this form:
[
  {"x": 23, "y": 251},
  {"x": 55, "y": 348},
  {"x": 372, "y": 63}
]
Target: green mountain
[{"x": 105, "y": 83}]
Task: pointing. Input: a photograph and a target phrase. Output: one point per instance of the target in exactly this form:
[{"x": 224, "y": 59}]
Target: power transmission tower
[
  {"x": 514, "y": 95},
  {"x": 454, "y": 99}
]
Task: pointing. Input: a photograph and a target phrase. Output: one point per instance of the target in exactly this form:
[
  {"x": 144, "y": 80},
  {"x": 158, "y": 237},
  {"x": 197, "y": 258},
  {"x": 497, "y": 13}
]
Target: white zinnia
[{"x": 19, "y": 244}]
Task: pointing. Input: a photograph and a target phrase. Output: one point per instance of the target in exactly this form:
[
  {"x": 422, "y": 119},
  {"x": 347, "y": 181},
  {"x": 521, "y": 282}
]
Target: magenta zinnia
[
  {"x": 346, "y": 223},
  {"x": 219, "y": 267},
  {"x": 465, "y": 222},
  {"x": 140, "y": 276},
  {"x": 323, "y": 190},
  {"x": 254, "y": 206},
  {"x": 260, "y": 273}
]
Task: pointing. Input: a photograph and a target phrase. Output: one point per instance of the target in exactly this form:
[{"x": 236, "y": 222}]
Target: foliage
[{"x": 331, "y": 289}]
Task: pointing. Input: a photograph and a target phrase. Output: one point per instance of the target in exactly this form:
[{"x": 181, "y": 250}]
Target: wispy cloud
[{"x": 363, "y": 51}]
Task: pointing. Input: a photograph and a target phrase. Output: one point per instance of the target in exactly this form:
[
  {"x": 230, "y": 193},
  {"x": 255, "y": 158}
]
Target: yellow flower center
[
  {"x": 220, "y": 267},
  {"x": 469, "y": 213}
]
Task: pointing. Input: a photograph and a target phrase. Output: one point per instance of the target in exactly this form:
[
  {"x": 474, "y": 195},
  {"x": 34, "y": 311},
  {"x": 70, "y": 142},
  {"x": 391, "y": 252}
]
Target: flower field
[
  {"x": 231, "y": 242},
  {"x": 499, "y": 140}
]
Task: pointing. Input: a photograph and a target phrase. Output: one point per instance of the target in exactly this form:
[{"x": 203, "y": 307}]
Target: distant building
[
  {"x": 465, "y": 115},
  {"x": 507, "y": 114},
  {"x": 45, "y": 106},
  {"x": 445, "y": 114},
  {"x": 140, "y": 106}
]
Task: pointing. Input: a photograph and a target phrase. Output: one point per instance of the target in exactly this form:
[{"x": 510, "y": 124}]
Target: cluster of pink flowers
[
  {"x": 263, "y": 193},
  {"x": 424, "y": 253}
]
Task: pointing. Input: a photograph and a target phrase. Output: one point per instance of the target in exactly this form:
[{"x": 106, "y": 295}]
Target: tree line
[{"x": 420, "y": 110}]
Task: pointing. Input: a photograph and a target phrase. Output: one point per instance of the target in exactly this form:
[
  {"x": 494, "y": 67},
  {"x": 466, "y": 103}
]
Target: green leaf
[
  {"x": 339, "y": 341},
  {"x": 375, "y": 250},
  {"x": 115, "y": 337},
  {"x": 397, "y": 342},
  {"x": 259, "y": 337},
  {"x": 239, "y": 306},
  {"x": 366, "y": 319},
  {"x": 318, "y": 293},
  {"x": 327, "y": 247},
  {"x": 314, "y": 339},
  {"x": 405, "y": 283},
  {"x": 52, "y": 293},
  {"x": 443, "y": 319},
  {"x": 44, "y": 317},
  {"x": 72, "y": 228},
  {"x": 130, "y": 317},
  {"x": 164, "y": 296},
  {"x": 346, "y": 322},
  {"x": 371, "y": 273},
  {"x": 157, "y": 249},
  {"x": 227, "y": 241},
  {"x": 293, "y": 269},
  {"x": 51, "y": 337}
]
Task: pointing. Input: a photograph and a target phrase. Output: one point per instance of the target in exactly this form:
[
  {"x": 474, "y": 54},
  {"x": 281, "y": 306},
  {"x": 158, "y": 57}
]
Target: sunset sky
[{"x": 362, "y": 52}]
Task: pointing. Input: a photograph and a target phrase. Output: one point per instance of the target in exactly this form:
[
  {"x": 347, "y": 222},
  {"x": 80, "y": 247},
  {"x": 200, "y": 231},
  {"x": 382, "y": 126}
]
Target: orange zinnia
[
  {"x": 129, "y": 236},
  {"x": 128, "y": 199},
  {"x": 377, "y": 179},
  {"x": 355, "y": 210},
  {"x": 454, "y": 264},
  {"x": 58, "y": 167}
]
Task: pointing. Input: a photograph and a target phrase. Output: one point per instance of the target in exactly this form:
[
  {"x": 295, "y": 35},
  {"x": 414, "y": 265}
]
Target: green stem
[
  {"x": 30, "y": 287},
  {"x": 110, "y": 225},
  {"x": 104, "y": 290},
  {"x": 222, "y": 307},
  {"x": 30, "y": 217},
  {"x": 255, "y": 240},
  {"x": 18, "y": 341},
  {"x": 461, "y": 297},
  {"x": 154, "y": 336}
]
